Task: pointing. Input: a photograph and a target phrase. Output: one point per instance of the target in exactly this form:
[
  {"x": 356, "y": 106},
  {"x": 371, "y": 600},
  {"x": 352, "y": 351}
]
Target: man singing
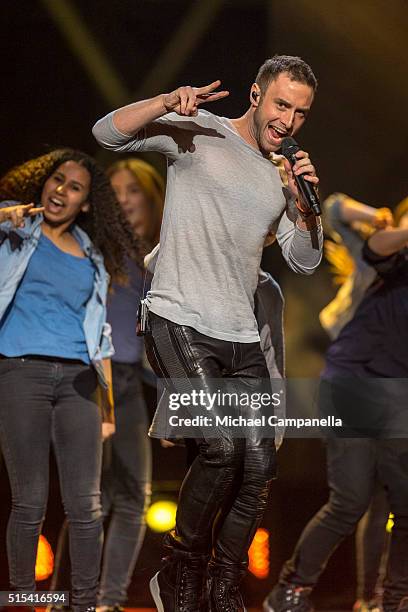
[{"x": 224, "y": 197}]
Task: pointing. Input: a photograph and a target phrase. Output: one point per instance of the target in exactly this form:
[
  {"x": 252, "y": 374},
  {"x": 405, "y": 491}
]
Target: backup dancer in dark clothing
[{"x": 365, "y": 383}]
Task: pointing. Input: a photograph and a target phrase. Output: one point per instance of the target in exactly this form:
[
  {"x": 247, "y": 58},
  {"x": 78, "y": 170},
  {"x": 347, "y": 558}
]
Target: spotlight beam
[{"x": 84, "y": 46}]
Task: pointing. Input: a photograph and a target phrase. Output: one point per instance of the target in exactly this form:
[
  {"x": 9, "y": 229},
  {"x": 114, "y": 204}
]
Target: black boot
[
  {"x": 179, "y": 585},
  {"x": 223, "y": 586}
]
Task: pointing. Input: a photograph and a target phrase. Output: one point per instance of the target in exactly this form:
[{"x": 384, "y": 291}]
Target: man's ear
[{"x": 255, "y": 95}]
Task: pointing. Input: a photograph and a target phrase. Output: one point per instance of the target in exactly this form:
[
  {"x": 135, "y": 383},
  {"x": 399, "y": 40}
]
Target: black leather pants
[{"x": 226, "y": 488}]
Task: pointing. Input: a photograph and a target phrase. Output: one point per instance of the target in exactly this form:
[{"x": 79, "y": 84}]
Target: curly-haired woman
[{"x": 53, "y": 340}]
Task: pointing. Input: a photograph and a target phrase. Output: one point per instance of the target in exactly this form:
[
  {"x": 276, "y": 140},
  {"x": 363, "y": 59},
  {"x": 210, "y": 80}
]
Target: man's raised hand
[{"x": 185, "y": 100}]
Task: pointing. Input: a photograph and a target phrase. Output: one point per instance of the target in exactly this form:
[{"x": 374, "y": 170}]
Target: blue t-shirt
[
  {"x": 47, "y": 312},
  {"x": 123, "y": 303}
]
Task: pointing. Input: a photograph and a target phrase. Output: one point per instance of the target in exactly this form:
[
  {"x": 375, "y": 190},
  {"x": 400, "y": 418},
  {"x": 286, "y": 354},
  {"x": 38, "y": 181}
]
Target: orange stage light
[
  {"x": 259, "y": 554},
  {"x": 44, "y": 565}
]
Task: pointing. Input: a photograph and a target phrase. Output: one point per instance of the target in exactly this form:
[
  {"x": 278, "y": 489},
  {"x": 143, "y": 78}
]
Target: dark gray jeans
[
  {"x": 126, "y": 483},
  {"x": 354, "y": 467},
  {"x": 126, "y": 478},
  {"x": 48, "y": 403}
]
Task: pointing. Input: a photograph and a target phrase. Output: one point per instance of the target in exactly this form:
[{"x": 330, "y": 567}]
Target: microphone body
[{"x": 289, "y": 148}]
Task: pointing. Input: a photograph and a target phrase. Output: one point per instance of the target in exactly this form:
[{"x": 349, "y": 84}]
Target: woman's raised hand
[{"x": 16, "y": 214}]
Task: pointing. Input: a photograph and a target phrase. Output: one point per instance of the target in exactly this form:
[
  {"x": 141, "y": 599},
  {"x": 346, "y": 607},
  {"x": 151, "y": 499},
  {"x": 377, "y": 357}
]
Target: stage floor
[{"x": 249, "y": 610}]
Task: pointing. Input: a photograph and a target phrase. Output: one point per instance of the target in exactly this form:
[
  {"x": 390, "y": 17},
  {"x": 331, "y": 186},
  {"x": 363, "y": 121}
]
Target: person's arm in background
[
  {"x": 344, "y": 216},
  {"x": 383, "y": 250},
  {"x": 150, "y": 259},
  {"x": 349, "y": 222},
  {"x": 388, "y": 241},
  {"x": 351, "y": 210}
]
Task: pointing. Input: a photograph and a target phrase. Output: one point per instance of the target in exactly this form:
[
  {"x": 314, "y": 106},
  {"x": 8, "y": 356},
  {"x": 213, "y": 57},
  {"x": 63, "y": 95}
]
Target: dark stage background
[{"x": 67, "y": 62}]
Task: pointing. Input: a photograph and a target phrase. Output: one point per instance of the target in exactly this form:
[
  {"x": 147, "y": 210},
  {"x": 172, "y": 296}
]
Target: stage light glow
[
  {"x": 44, "y": 565},
  {"x": 259, "y": 554},
  {"x": 161, "y": 516}
]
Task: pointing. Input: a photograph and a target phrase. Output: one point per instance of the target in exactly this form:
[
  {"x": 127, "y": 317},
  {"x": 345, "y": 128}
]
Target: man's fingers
[
  {"x": 217, "y": 95},
  {"x": 208, "y": 88},
  {"x": 311, "y": 179},
  {"x": 288, "y": 168},
  {"x": 302, "y": 158},
  {"x": 191, "y": 102},
  {"x": 183, "y": 101},
  {"x": 188, "y": 101},
  {"x": 304, "y": 169},
  {"x": 35, "y": 210},
  {"x": 303, "y": 165},
  {"x": 208, "y": 93}
]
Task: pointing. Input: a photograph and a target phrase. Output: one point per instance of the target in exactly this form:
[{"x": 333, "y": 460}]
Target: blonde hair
[
  {"x": 400, "y": 210},
  {"x": 152, "y": 185}
]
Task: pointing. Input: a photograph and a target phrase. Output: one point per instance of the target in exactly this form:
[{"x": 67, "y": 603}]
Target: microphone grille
[{"x": 289, "y": 146}]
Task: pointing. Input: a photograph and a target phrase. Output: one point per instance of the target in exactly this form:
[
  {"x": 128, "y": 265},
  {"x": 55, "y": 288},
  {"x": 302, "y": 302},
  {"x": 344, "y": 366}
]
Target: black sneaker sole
[
  {"x": 155, "y": 591},
  {"x": 267, "y": 607}
]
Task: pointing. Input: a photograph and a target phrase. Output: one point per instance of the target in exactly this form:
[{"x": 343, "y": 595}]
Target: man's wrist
[
  {"x": 167, "y": 105},
  {"x": 304, "y": 213},
  {"x": 163, "y": 101},
  {"x": 309, "y": 222}
]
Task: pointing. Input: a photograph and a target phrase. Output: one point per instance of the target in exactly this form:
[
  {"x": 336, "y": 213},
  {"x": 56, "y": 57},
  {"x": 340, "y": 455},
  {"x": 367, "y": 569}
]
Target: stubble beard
[{"x": 258, "y": 134}]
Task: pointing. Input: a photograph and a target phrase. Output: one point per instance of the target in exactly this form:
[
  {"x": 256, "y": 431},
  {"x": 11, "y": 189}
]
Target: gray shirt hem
[{"x": 211, "y": 333}]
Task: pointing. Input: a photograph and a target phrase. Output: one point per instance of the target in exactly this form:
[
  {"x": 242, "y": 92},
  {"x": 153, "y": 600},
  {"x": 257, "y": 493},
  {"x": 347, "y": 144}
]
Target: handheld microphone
[{"x": 309, "y": 196}]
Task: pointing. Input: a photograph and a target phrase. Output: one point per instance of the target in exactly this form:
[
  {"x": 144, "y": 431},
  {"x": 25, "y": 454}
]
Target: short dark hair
[{"x": 297, "y": 69}]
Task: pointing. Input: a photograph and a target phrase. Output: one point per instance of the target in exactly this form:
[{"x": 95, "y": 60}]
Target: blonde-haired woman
[
  {"x": 126, "y": 477},
  {"x": 140, "y": 191}
]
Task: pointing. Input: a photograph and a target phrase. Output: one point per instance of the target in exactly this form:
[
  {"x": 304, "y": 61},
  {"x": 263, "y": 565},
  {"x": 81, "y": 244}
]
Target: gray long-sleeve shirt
[{"x": 222, "y": 199}]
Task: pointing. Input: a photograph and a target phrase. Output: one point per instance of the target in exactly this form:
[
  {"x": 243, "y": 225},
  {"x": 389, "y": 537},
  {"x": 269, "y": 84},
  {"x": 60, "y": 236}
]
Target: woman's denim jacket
[{"x": 16, "y": 248}]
